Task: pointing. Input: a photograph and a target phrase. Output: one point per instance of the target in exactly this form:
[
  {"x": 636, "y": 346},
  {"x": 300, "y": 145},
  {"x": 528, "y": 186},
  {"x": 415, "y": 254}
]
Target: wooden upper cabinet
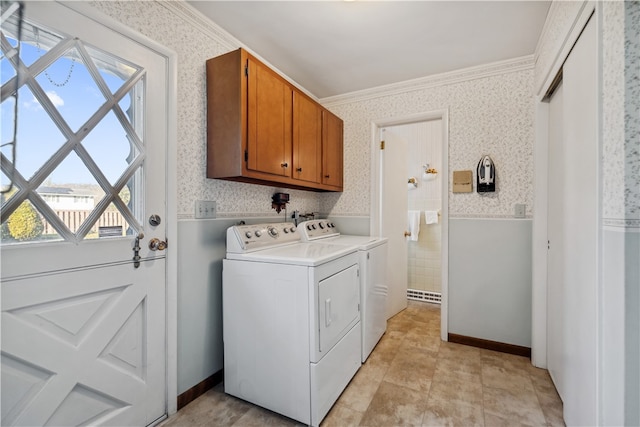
[
  {"x": 332, "y": 150},
  {"x": 269, "y": 121},
  {"x": 307, "y": 138},
  {"x": 263, "y": 130}
]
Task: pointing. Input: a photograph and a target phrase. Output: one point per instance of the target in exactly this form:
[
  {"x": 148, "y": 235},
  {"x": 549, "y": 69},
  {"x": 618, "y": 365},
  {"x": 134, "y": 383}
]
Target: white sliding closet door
[{"x": 573, "y": 234}]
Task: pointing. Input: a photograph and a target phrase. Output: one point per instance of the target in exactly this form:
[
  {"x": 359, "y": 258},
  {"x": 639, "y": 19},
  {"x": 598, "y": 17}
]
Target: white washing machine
[
  {"x": 291, "y": 320},
  {"x": 373, "y": 265}
]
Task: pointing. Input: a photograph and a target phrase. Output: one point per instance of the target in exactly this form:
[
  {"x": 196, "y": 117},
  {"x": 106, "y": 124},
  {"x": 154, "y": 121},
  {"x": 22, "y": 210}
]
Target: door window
[{"x": 76, "y": 121}]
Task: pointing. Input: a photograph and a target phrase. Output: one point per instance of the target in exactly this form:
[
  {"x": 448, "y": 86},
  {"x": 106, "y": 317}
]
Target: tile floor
[{"x": 413, "y": 379}]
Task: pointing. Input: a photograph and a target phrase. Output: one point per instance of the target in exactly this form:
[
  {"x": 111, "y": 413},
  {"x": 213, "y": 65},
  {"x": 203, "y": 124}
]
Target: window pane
[
  {"x": 36, "y": 144},
  {"x": 109, "y": 146},
  {"x": 114, "y": 71},
  {"x": 26, "y": 224},
  {"x": 71, "y": 88}
]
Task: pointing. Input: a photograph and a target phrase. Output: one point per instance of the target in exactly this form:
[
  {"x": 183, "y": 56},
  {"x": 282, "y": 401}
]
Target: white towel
[
  {"x": 431, "y": 217},
  {"x": 414, "y": 225}
]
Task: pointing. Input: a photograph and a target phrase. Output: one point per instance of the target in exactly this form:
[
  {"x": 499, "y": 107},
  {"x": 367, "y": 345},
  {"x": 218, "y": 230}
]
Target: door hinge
[
  {"x": 246, "y": 155},
  {"x": 548, "y": 244},
  {"x": 382, "y": 145}
]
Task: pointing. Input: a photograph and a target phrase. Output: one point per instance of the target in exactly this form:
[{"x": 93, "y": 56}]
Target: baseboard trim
[
  {"x": 199, "y": 389},
  {"x": 490, "y": 345}
]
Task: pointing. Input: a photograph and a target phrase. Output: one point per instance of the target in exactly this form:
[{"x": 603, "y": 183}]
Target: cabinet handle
[
  {"x": 284, "y": 165},
  {"x": 326, "y": 176},
  {"x": 298, "y": 169}
]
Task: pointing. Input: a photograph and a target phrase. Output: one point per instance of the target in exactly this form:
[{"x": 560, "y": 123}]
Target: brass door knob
[
  {"x": 157, "y": 244},
  {"x": 407, "y": 233}
]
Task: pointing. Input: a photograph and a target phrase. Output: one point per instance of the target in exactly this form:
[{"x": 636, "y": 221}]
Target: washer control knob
[
  {"x": 313, "y": 226},
  {"x": 248, "y": 234},
  {"x": 258, "y": 233},
  {"x": 293, "y": 229},
  {"x": 309, "y": 227},
  {"x": 286, "y": 230},
  {"x": 321, "y": 225},
  {"x": 273, "y": 232}
]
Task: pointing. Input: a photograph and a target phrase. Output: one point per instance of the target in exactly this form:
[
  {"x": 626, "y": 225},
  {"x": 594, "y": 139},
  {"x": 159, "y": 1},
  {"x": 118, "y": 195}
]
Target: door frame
[
  {"x": 171, "y": 274},
  {"x": 376, "y": 194}
]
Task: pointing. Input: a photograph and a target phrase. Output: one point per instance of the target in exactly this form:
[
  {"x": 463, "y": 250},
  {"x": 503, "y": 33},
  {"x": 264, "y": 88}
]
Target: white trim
[
  {"x": 539, "y": 238},
  {"x": 376, "y": 188},
  {"x": 436, "y": 80},
  {"x": 171, "y": 177}
]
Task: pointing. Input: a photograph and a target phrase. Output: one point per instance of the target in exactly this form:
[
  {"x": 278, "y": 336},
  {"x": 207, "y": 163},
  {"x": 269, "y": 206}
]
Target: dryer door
[{"x": 338, "y": 306}]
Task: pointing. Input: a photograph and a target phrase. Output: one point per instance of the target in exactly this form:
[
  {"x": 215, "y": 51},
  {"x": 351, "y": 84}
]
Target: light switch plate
[
  {"x": 520, "y": 210},
  {"x": 205, "y": 209}
]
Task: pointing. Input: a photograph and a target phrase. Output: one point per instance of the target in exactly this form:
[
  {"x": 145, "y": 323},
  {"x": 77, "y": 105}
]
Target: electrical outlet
[
  {"x": 521, "y": 210},
  {"x": 205, "y": 209}
]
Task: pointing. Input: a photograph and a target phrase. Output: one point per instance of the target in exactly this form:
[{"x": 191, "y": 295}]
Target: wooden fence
[{"x": 74, "y": 219}]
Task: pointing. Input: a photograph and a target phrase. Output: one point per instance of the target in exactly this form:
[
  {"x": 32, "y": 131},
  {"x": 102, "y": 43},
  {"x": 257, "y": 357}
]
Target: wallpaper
[
  {"x": 489, "y": 115},
  {"x": 176, "y": 26},
  {"x": 620, "y": 73},
  {"x": 613, "y": 154},
  {"x": 632, "y": 111}
]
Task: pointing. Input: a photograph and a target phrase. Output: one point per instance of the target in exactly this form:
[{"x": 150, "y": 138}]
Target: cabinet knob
[
  {"x": 284, "y": 165},
  {"x": 326, "y": 176},
  {"x": 298, "y": 169}
]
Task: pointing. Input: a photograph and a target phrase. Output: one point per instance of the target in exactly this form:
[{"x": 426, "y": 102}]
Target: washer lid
[{"x": 309, "y": 254}]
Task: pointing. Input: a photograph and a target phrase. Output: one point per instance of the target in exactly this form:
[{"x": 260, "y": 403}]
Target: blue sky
[{"x": 38, "y": 136}]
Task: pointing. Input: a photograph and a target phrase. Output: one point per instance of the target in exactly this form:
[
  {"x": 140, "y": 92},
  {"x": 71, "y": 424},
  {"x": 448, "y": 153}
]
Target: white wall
[{"x": 490, "y": 279}]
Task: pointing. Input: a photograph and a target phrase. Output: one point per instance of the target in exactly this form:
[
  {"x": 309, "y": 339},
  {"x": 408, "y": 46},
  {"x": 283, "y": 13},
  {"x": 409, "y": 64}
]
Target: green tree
[{"x": 25, "y": 223}]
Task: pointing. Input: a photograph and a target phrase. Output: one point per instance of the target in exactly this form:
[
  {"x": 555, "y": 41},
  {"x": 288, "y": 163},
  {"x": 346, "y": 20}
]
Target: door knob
[
  {"x": 407, "y": 233},
  {"x": 156, "y": 244}
]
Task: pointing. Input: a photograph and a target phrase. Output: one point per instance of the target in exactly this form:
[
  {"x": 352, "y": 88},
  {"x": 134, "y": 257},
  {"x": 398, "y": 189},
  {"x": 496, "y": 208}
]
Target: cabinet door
[
  {"x": 332, "y": 146},
  {"x": 269, "y": 121},
  {"x": 307, "y": 139}
]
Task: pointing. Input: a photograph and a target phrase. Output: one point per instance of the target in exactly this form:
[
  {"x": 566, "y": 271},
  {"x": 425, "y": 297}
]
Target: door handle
[
  {"x": 156, "y": 244},
  {"x": 327, "y": 312}
]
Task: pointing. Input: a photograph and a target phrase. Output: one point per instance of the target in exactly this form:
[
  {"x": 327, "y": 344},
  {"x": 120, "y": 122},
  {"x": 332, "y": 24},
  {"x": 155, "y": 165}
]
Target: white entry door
[
  {"x": 394, "y": 217},
  {"x": 83, "y": 323}
]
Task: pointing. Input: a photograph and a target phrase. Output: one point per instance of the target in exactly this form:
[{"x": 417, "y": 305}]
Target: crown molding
[
  {"x": 463, "y": 75},
  {"x": 202, "y": 23}
]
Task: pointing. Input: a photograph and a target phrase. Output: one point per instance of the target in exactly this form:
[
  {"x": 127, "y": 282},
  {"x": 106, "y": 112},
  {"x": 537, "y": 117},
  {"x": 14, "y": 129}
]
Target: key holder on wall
[{"x": 486, "y": 175}]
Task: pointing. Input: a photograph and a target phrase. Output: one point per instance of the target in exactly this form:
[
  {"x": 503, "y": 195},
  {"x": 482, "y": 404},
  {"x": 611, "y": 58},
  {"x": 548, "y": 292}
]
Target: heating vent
[{"x": 427, "y": 296}]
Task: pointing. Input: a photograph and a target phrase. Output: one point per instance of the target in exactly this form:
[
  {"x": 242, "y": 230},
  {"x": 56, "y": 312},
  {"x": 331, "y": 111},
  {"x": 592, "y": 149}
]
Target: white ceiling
[{"x": 336, "y": 47}]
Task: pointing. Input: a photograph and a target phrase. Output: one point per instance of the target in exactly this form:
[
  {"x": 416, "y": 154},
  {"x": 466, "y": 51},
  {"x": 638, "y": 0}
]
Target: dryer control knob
[
  {"x": 273, "y": 232},
  {"x": 248, "y": 234},
  {"x": 321, "y": 225},
  {"x": 258, "y": 233},
  {"x": 293, "y": 229}
]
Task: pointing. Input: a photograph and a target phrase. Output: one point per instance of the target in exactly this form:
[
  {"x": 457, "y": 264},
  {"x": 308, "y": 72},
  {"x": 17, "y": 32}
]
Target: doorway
[{"x": 389, "y": 210}]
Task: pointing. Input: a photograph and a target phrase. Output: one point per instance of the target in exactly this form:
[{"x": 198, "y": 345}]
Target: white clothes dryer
[{"x": 372, "y": 256}]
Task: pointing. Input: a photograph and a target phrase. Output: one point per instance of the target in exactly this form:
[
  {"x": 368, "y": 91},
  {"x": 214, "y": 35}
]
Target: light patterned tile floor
[{"x": 413, "y": 379}]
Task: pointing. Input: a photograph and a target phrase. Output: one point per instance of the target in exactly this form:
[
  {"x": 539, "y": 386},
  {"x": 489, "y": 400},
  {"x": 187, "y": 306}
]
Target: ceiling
[{"x": 336, "y": 47}]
